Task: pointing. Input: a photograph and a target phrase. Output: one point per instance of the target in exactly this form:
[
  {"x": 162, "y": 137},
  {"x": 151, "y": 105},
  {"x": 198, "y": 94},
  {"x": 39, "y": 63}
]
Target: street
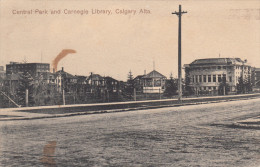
[{"x": 196, "y": 135}]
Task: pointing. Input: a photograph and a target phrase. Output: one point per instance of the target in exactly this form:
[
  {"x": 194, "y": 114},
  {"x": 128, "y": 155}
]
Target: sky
[{"x": 112, "y": 45}]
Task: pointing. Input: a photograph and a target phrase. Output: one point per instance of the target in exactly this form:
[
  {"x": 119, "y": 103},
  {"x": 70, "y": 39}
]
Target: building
[
  {"x": 139, "y": 83},
  {"x": 256, "y": 78},
  {"x": 2, "y": 76},
  {"x": 112, "y": 84},
  {"x": 206, "y": 75},
  {"x": 11, "y": 83},
  {"x": 95, "y": 80},
  {"x": 2, "y": 72},
  {"x": 33, "y": 68},
  {"x": 65, "y": 81},
  {"x": 154, "y": 82},
  {"x": 81, "y": 84}
]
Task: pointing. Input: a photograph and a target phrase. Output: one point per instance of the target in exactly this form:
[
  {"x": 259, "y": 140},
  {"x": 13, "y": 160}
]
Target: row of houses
[{"x": 153, "y": 82}]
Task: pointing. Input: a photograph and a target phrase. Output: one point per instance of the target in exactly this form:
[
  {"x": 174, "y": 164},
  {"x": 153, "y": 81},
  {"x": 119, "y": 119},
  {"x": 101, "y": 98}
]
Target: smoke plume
[{"x": 60, "y": 56}]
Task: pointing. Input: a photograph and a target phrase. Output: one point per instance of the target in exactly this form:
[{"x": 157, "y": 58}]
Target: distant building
[
  {"x": 33, "y": 68},
  {"x": 65, "y": 81},
  {"x": 205, "y": 75},
  {"x": 112, "y": 84},
  {"x": 139, "y": 83},
  {"x": 2, "y": 72},
  {"x": 95, "y": 80},
  {"x": 2, "y": 76},
  {"x": 256, "y": 78},
  {"x": 11, "y": 83},
  {"x": 154, "y": 82},
  {"x": 81, "y": 84},
  {"x": 103, "y": 83}
]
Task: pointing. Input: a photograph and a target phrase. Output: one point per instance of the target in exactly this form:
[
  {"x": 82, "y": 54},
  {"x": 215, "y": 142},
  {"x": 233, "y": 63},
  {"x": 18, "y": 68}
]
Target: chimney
[
  {"x": 62, "y": 69},
  {"x": 144, "y": 72},
  {"x": 54, "y": 70}
]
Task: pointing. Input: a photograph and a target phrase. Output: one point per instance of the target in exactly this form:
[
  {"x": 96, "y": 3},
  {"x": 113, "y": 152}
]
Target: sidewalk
[
  {"x": 27, "y": 113},
  {"x": 18, "y": 115}
]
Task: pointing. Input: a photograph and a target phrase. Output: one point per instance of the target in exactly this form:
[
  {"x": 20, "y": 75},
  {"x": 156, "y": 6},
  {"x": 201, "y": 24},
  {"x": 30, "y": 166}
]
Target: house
[
  {"x": 153, "y": 82},
  {"x": 139, "y": 83},
  {"x": 95, "y": 80},
  {"x": 81, "y": 84},
  {"x": 65, "y": 81},
  {"x": 112, "y": 84}
]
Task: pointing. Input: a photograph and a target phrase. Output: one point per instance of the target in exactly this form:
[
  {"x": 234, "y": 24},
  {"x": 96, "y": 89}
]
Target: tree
[
  {"x": 249, "y": 85},
  {"x": 240, "y": 85},
  {"x": 26, "y": 82},
  {"x": 244, "y": 86},
  {"x": 171, "y": 87},
  {"x": 187, "y": 88},
  {"x": 223, "y": 88},
  {"x": 44, "y": 93},
  {"x": 130, "y": 85}
]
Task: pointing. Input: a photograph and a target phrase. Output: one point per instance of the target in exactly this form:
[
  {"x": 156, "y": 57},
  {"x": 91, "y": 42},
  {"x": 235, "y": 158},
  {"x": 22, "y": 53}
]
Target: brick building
[{"x": 33, "y": 68}]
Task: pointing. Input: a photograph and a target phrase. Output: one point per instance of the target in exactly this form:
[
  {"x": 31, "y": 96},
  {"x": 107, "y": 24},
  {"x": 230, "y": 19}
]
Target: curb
[{"x": 145, "y": 107}]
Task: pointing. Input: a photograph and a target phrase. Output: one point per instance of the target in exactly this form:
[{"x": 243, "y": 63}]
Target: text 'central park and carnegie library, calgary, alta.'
[{"x": 80, "y": 11}]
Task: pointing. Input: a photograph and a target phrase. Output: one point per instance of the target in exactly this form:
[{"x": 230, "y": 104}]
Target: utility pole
[
  {"x": 179, "y": 14},
  {"x": 134, "y": 94},
  {"x": 26, "y": 97},
  {"x": 63, "y": 97}
]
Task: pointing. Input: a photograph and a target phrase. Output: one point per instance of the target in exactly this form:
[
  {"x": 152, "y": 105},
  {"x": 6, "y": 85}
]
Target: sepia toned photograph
[{"x": 171, "y": 83}]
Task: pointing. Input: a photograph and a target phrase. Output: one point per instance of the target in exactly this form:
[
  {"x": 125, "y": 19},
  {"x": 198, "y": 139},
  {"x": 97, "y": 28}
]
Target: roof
[
  {"x": 154, "y": 74},
  {"x": 95, "y": 77},
  {"x": 139, "y": 77},
  {"x": 65, "y": 74},
  {"x": 218, "y": 61},
  {"x": 257, "y": 69},
  {"x": 18, "y": 63},
  {"x": 81, "y": 78},
  {"x": 110, "y": 78}
]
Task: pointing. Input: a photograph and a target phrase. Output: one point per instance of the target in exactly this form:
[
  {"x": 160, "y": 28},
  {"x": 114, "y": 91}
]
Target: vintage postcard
[{"x": 130, "y": 83}]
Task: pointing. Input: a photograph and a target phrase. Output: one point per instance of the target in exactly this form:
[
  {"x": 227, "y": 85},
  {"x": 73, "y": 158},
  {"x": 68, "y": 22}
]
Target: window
[
  {"x": 209, "y": 78},
  {"x": 219, "y": 67},
  {"x": 204, "y": 78},
  {"x": 230, "y": 79},
  {"x": 219, "y": 78},
  {"x": 196, "y": 77},
  {"x": 200, "y": 78},
  {"x": 224, "y": 77},
  {"x": 193, "y": 79},
  {"x": 214, "y": 78}
]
